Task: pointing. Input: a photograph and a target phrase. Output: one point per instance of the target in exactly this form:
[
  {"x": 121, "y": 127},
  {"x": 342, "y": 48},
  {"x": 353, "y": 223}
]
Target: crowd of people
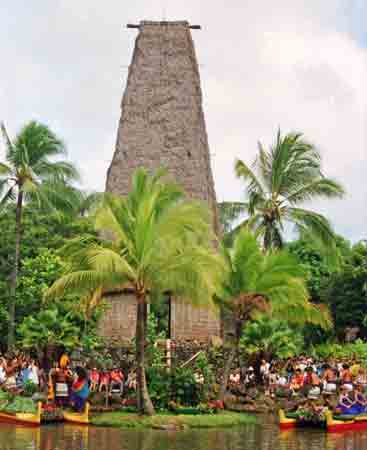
[
  {"x": 16, "y": 371},
  {"x": 344, "y": 380},
  {"x": 65, "y": 384}
]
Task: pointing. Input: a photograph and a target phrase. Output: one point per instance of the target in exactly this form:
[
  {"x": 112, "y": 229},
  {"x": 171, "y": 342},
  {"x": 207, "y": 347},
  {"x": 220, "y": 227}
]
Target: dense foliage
[
  {"x": 43, "y": 236},
  {"x": 342, "y": 351},
  {"x": 346, "y": 291},
  {"x": 49, "y": 327},
  {"x": 271, "y": 338},
  {"x": 33, "y": 172}
]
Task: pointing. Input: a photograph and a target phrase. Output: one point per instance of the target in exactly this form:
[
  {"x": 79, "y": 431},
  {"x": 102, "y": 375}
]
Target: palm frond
[
  {"x": 229, "y": 212},
  {"x": 58, "y": 171},
  {"x": 82, "y": 280},
  {"x": 320, "y": 188},
  {"x": 7, "y": 197},
  {"x": 5, "y": 170},
  {"x": 6, "y": 138},
  {"x": 312, "y": 223},
  {"x": 294, "y": 161},
  {"x": 244, "y": 172},
  {"x": 107, "y": 260},
  {"x": 58, "y": 197},
  {"x": 275, "y": 279},
  {"x": 38, "y": 141},
  {"x": 157, "y": 241}
]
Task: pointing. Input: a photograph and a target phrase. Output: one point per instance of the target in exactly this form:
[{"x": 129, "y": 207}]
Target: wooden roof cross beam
[{"x": 133, "y": 25}]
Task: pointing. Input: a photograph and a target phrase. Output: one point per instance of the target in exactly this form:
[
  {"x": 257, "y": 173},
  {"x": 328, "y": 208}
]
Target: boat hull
[
  {"x": 77, "y": 418},
  {"x": 332, "y": 425},
  {"x": 338, "y": 426},
  {"x": 24, "y": 419}
]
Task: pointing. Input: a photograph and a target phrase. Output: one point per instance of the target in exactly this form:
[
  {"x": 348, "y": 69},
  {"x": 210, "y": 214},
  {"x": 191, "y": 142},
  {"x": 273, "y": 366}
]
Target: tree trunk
[
  {"x": 231, "y": 356},
  {"x": 14, "y": 274},
  {"x": 226, "y": 372},
  {"x": 145, "y": 405}
]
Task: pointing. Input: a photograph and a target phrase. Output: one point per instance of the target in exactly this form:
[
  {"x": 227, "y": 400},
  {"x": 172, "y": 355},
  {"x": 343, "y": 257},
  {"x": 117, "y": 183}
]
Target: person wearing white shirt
[{"x": 33, "y": 373}]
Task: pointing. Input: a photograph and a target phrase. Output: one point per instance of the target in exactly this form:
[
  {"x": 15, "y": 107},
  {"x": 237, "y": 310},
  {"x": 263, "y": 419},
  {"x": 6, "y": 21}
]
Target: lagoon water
[{"x": 265, "y": 436}]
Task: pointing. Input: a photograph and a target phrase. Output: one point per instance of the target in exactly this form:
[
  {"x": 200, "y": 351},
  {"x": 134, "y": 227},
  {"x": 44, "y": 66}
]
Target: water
[{"x": 264, "y": 436}]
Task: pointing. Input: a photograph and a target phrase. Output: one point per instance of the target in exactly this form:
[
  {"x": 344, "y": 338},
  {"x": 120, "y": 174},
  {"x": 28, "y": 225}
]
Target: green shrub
[
  {"x": 357, "y": 349},
  {"x": 29, "y": 389},
  {"x": 180, "y": 385}
]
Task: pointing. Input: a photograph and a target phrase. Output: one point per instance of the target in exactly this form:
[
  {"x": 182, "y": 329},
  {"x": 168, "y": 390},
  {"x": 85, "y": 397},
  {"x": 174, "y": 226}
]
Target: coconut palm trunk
[
  {"x": 226, "y": 372},
  {"x": 145, "y": 405},
  {"x": 229, "y": 361},
  {"x": 14, "y": 274}
]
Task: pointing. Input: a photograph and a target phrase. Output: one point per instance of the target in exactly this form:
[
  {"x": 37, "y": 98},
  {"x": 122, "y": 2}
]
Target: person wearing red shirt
[
  {"x": 94, "y": 378},
  {"x": 117, "y": 378},
  {"x": 104, "y": 382}
]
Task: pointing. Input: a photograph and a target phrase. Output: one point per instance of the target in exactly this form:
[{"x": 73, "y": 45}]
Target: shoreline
[{"x": 173, "y": 422}]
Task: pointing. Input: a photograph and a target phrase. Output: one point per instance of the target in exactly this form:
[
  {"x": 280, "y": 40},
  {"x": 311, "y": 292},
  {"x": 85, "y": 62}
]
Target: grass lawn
[{"x": 166, "y": 420}]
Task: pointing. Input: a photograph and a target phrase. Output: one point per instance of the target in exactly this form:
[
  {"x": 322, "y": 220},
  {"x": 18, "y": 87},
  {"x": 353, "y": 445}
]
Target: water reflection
[{"x": 260, "y": 437}]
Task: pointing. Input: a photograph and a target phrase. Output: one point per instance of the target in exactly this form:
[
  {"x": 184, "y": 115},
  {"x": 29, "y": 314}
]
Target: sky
[{"x": 295, "y": 64}]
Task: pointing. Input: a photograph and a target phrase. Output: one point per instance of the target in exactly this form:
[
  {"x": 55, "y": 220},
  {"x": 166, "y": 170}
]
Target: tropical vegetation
[
  {"x": 279, "y": 293},
  {"x": 271, "y": 338},
  {"x": 155, "y": 243},
  {"x": 263, "y": 282},
  {"x": 31, "y": 173}
]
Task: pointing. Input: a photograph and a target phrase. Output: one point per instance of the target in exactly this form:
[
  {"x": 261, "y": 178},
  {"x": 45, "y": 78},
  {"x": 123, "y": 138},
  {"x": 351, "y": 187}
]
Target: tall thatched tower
[{"x": 162, "y": 125}]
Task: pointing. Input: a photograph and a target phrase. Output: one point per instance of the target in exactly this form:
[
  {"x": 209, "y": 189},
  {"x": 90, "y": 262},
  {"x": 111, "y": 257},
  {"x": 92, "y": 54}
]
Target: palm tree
[
  {"x": 277, "y": 183},
  {"x": 29, "y": 175},
  {"x": 262, "y": 282},
  {"x": 155, "y": 243}
]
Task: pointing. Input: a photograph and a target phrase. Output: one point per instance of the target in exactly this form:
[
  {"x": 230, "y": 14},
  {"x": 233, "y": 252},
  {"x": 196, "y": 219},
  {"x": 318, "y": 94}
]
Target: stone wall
[{"x": 162, "y": 125}]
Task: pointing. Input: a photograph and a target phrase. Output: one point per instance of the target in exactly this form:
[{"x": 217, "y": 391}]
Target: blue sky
[{"x": 296, "y": 64}]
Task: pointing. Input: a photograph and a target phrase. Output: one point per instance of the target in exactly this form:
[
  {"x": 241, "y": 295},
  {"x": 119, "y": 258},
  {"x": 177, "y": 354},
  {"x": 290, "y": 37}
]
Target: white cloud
[{"x": 296, "y": 64}]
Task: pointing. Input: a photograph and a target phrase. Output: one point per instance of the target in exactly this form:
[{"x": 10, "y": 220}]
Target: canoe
[
  {"x": 25, "y": 419},
  {"x": 337, "y": 424},
  {"x": 81, "y": 418},
  {"x": 285, "y": 423},
  {"x": 334, "y": 424}
]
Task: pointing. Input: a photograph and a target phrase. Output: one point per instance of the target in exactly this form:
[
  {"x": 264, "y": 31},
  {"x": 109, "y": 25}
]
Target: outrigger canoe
[
  {"x": 81, "y": 418},
  {"x": 332, "y": 423},
  {"x": 26, "y": 419}
]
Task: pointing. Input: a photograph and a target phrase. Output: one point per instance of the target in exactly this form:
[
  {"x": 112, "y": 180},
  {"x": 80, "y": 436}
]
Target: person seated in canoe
[
  {"x": 347, "y": 405},
  {"x": 360, "y": 399},
  {"x": 79, "y": 390}
]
